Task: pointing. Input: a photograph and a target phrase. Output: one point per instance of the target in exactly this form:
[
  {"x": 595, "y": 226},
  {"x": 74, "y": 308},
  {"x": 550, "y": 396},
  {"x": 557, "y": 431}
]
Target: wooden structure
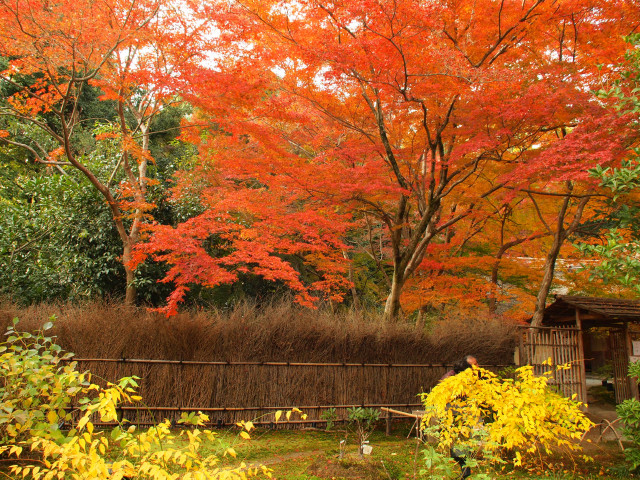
[
  {"x": 561, "y": 337},
  {"x": 560, "y": 345},
  {"x": 416, "y": 415}
]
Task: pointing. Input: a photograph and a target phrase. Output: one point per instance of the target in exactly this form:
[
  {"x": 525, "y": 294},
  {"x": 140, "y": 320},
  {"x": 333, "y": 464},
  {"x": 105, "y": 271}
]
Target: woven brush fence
[
  {"x": 241, "y": 361},
  {"x": 232, "y": 391}
]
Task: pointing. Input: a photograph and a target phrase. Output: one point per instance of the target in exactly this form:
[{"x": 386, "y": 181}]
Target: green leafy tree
[
  {"x": 53, "y": 243},
  {"x": 616, "y": 228},
  {"x": 57, "y": 238}
]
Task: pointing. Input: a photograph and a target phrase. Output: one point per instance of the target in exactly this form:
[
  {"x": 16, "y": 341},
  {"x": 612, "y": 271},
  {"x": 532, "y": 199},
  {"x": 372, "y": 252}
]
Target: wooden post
[
  {"x": 522, "y": 356},
  {"x": 633, "y": 382},
  {"x": 583, "y": 373},
  {"x": 387, "y": 379}
]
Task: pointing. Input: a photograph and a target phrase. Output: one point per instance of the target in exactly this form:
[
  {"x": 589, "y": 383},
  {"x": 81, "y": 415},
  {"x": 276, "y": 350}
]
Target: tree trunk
[
  {"x": 493, "y": 301},
  {"x": 550, "y": 262},
  {"x": 131, "y": 291},
  {"x": 545, "y": 285},
  {"x": 392, "y": 306}
]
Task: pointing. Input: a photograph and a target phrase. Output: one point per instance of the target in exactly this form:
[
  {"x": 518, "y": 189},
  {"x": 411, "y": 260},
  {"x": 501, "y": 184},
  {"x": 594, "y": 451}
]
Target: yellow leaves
[
  {"x": 278, "y": 415},
  {"x": 248, "y": 426},
  {"x": 85, "y": 453},
  {"x": 521, "y": 414},
  {"x": 52, "y": 416},
  {"x": 518, "y": 460},
  {"x": 82, "y": 422},
  {"x": 15, "y": 450}
]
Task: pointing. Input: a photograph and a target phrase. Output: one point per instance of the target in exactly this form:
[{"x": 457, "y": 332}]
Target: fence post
[
  {"x": 386, "y": 399},
  {"x": 388, "y": 423},
  {"x": 179, "y": 390},
  {"x": 583, "y": 375}
]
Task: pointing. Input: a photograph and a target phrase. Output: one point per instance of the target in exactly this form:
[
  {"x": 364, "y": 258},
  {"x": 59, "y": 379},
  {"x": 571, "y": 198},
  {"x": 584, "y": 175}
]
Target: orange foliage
[
  {"x": 434, "y": 118},
  {"x": 418, "y": 114}
]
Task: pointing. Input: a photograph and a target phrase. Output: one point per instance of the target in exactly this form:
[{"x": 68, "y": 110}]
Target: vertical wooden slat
[
  {"x": 633, "y": 382},
  {"x": 582, "y": 373},
  {"x": 562, "y": 345},
  {"x": 620, "y": 361}
]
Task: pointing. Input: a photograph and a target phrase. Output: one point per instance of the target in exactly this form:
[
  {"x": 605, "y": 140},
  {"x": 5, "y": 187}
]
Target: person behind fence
[
  {"x": 460, "y": 366},
  {"x": 457, "y": 453}
]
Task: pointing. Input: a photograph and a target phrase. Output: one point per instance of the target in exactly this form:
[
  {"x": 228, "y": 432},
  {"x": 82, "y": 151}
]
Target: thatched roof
[{"x": 594, "y": 311}]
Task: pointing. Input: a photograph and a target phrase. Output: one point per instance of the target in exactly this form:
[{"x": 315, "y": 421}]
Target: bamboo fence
[
  {"x": 229, "y": 392},
  {"x": 560, "y": 346},
  {"x": 620, "y": 361}
]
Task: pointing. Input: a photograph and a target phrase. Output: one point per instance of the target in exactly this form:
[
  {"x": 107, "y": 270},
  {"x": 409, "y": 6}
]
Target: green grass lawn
[{"x": 313, "y": 455}]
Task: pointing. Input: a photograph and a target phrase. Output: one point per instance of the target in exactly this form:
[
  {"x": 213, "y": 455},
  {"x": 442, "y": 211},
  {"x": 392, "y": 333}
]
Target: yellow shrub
[
  {"x": 36, "y": 392},
  {"x": 476, "y": 409}
]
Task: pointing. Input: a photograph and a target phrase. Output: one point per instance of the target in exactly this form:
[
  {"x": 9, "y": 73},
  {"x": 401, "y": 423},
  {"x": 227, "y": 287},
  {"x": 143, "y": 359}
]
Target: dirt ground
[{"x": 608, "y": 427}]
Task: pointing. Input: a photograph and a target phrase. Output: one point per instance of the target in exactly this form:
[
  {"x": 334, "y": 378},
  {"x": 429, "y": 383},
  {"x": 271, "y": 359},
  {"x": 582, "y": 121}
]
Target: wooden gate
[
  {"x": 620, "y": 361},
  {"x": 561, "y": 346}
]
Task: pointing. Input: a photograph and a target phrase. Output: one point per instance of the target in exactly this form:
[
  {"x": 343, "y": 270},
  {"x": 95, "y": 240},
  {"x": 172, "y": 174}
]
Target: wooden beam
[
  {"x": 633, "y": 382},
  {"x": 582, "y": 370},
  {"x": 404, "y": 414}
]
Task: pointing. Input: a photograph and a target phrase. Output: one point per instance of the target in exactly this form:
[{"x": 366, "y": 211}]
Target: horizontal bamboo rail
[
  {"x": 272, "y": 364},
  {"x": 383, "y": 406}
]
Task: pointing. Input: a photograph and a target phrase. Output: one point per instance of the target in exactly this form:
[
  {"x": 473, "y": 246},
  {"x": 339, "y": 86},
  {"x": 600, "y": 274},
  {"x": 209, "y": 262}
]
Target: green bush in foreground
[
  {"x": 38, "y": 387},
  {"x": 629, "y": 413}
]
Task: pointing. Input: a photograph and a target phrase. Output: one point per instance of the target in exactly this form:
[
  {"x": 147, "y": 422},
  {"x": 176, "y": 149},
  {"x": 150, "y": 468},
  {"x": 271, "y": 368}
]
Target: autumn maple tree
[
  {"x": 256, "y": 217},
  {"x": 414, "y": 113},
  {"x": 137, "y": 53},
  {"x": 424, "y": 124}
]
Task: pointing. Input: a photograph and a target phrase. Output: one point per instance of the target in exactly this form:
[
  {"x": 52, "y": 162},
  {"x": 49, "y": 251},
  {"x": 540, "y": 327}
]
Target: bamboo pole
[
  {"x": 272, "y": 364},
  {"x": 582, "y": 370},
  {"x": 632, "y": 382},
  {"x": 249, "y": 409}
]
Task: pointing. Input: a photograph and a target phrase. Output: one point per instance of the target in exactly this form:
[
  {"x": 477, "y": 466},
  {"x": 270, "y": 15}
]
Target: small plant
[
  {"x": 362, "y": 421},
  {"x": 330, "y": 416},
  {"x": 629, "y": 413},
  {"x": 440, "y": 466}
]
